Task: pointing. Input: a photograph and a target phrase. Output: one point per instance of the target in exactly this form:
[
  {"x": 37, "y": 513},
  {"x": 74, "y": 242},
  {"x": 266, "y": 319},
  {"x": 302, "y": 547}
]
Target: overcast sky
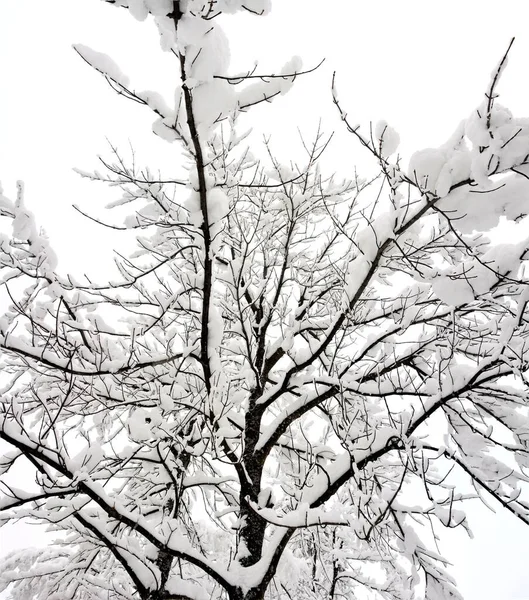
[{"x": 420, "y": 65}]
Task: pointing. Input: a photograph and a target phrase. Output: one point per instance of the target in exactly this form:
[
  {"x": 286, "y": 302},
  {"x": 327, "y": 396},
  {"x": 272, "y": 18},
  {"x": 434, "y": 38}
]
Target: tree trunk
[
  {"x": 253, "y": 594},
  {"x": 251, "y": 533},
  {"x": 253, "y": 527}
]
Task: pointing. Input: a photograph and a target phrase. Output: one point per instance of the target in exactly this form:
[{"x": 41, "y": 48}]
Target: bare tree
[{"x": 273, "y": 398}]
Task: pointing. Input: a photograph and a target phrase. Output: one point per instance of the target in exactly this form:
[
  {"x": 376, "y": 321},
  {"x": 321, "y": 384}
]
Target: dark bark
[
  {"x": 164, "y": 562},
  {"x": 253, "y": 526},
  {"x": 253, "y": 594}
]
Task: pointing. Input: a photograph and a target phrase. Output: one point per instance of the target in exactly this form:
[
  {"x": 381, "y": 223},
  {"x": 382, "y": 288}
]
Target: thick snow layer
[
  {"x": 480, "y": 210},
  {"x": 388, "y": 139},
  {"x": 205, "y": 47},
  {"x": 212, "y": 102},
  {"x": 269, "y": 88},
  {"x": 260, "y": 7},
  {"x": 142, "y": 423},
  {"x": 473, "y": 278},
  {"x": 426, "y": 166},
  {"x": 138, "y": 9},
  {"x": 176, "y": 585},
  {"x": 102, "y": 63}
]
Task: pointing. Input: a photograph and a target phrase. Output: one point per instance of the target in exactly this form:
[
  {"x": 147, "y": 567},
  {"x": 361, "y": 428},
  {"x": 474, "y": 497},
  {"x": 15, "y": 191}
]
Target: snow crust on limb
[
  {"x": 189, "y": 29},
  {"x": 207, "y": 56},
  {"x": 490, "y": 141},
  {"x": 27, "y": 249},
  {"x": 436, "y": 170},
  {"x": 388, "y": 139},
  {"x": 160, "y": 9},
  {"x": 463, "y": 283},
  {"x": 475, "y": 211},
  {"x": 103, "y": 63},
  {"x": 253, "y": 93},
  {"x": 259, "y": 7},
  {"x": 187, "y": 588}
]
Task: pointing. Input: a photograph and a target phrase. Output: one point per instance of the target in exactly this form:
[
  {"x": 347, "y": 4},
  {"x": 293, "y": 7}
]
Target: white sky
[{"x": 421, "y": 65}]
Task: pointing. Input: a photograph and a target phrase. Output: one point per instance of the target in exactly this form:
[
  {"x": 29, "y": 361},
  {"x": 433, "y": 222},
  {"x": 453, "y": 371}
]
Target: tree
[{"x": 272, "y": 398}]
